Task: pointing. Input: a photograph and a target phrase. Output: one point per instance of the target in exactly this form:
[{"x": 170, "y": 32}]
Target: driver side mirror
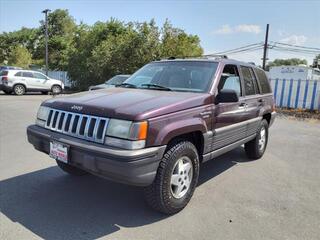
[{"x": 227, "y": 96}]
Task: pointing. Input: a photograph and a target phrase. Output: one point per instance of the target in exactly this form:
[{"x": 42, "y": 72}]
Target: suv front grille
[{"x": 87, "y": 127}]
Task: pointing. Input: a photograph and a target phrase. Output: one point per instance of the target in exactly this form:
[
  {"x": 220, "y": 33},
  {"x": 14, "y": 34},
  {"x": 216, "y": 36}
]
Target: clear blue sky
[{"x": 221, "y": 25}]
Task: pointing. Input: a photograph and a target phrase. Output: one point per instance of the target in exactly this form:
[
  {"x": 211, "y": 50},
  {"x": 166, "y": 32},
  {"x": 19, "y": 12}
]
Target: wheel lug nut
[
  {"x": 185, "y": 171},
  {"x": 181, "y": 173},
  {"x": 185, "y": 178},
  {"x": 179, "y": 179}
]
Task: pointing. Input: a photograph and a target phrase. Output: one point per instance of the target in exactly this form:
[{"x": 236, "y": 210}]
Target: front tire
[
  {"x": 56, "y": 89},
  {"x": 176, "y": 179},
  {"x": 19, "y": 89},
  {"x": 257, "y": 146},
  {"x": 71, "y": 169}
]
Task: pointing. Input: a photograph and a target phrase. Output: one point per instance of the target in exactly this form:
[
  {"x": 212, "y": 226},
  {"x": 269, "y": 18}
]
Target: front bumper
[{"x": 133, "y": 167}]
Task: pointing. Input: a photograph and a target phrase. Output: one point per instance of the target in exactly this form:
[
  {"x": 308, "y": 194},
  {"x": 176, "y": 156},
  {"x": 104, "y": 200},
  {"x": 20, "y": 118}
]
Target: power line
[
  {"x": 295, "y": 50},
  {"x": 240, "y": 48},
  {"x": 277, "y": 46},
  {"x": 246, "y": 50},
  {"x": 296, "y": 46}
]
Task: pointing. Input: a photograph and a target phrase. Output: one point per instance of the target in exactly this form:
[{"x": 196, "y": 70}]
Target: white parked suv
[{"x": 22, "y": 81}]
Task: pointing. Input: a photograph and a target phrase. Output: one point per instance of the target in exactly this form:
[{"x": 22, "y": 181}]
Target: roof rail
[
  {"x": 215, "y": 56},
  {"x": 200, "y": 57}
]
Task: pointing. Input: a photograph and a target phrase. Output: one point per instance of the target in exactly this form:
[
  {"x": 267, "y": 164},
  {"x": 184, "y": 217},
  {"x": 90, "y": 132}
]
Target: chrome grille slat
[
  {"x": 95, "y": 130},
  {"x": 58, "y": 121},
  {"x": 79, "y": 125},
  {"x": 63, "y": 116},
  {"x": 64, "y": 122},
  {"x": 86, "y": 129}
]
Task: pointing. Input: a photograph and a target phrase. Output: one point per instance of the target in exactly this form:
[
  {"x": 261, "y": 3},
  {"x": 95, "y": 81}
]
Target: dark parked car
[
  {"x": 9, "y": 68},
  {"x": 112, "y": 82},
  {"x": 156, "y": 128}
]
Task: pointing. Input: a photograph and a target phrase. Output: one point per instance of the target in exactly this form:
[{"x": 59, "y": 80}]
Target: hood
[
  {"x": 101, "y": 86},
  {"x": 130, "y": 104}
]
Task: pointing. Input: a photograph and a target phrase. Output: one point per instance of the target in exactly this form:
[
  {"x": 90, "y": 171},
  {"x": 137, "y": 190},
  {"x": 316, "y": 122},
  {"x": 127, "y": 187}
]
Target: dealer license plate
[{"x": 59, "y": 151}]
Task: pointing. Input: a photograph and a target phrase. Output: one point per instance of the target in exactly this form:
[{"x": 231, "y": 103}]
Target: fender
[{"x": 181, "y": 127}]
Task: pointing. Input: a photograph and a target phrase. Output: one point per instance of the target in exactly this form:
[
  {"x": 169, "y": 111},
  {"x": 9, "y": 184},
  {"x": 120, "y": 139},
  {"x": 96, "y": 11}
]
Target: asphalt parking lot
[{"x": 276, "y": 197}]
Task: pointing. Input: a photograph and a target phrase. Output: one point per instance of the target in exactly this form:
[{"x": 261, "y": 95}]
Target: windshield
[
  {"x": 116, "y": 80},
  {"x": 188, "y": 76}
]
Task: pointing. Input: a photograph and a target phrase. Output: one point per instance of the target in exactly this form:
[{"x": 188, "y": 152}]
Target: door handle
[
  {"x": 261, "y": 100},
  {"x": 242, "y": 105}
]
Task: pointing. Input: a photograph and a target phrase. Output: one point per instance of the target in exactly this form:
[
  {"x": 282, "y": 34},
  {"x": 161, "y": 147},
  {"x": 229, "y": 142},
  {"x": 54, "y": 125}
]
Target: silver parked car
[
  {"x": 112, "y": 82},
  {"x": 22, "y": 81}
]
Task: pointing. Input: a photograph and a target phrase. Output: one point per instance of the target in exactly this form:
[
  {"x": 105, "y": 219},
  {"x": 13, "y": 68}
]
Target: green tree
[
  {"x": 26, "y": 37},
  {"x": 61, "y": 29},
  {"x": 176, "y": 43},
  {"x": 113, "y": 47},
  {"x": 287, "y": 62},
  {"x": 92, "y": 54},
  {"x": 20, "y": 56}
]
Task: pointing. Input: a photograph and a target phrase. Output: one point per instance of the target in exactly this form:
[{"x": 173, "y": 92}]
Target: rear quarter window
[
  {"x": 3, "y": 73},
  {"x": 263, "y": 81},
  {"x": 18, "y": 74}
]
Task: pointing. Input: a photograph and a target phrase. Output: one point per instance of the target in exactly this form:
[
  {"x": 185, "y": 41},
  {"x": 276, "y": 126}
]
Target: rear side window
[
  {"x": 40, "y": 76},
  {"x": 27, "y": 74},
  {"x": 18, "y": 74},
  {"x": 263, "y": 81},
  {"x": 249, "y": 81}
]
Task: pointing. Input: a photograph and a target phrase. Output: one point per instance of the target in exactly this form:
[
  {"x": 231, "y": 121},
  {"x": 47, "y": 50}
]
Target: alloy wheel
[{"x": 181, "y": 177}]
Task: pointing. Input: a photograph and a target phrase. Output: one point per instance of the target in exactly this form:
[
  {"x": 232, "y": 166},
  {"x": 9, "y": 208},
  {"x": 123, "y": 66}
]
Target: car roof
[{"x": 207, "y": 59}]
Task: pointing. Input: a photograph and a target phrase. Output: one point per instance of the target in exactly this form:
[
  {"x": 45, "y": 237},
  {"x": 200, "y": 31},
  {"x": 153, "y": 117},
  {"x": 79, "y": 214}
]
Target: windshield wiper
[
  {"x": 150, "y": 85},
  {"x": 130, "y": 85}
]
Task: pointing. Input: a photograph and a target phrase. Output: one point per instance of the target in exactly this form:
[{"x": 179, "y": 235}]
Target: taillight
[{"x": 5, "y": 79}]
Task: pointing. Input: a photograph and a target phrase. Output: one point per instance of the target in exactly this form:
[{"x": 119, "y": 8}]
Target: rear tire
[
  {"x": 257, "y": 146},
  {"x": 71, "y": 169},
  {"x": 176, "y": 179},
  {"x": 19, "y": 89}
]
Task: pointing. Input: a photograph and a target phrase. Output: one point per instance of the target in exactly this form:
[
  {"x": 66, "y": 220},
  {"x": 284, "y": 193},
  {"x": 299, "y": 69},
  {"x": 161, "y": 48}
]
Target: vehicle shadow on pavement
[
  {"x": 54, "y": 205},
  {"x": 220, "y": 164}
]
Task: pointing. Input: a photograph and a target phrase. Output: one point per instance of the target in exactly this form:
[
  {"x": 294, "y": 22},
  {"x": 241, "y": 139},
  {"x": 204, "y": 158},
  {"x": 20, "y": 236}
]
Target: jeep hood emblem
[{"x": 76, "y": 107}]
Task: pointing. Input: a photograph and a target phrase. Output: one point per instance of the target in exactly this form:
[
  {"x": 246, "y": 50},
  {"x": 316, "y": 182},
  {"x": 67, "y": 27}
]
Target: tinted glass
[
  {"x": 3, "y": 73},
  {"x": 190, "y": 76},
  {"x": 18, "y": 74},
  {"x": 116, "y": 80},
  {"x": 248, "y": 80},
  {"x": 40, "y": 76},
  {"x": 263, "y": 81},
  {"x": 27, "y": 74}
]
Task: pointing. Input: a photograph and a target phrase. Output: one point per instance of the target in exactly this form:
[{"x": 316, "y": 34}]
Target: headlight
[
  {"x": 42, "y": 115},
  {"x": 126, "y": 134},
  {"x": 119, "y": 128}
]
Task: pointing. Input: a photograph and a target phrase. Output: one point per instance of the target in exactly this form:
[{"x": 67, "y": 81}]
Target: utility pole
[
  {"x": 265, "y": 49},
  {"x": 46, "y": 26}
]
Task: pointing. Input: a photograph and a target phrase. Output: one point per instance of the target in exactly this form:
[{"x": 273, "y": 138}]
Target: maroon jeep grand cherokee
[{"x": 158, "y": 126}]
